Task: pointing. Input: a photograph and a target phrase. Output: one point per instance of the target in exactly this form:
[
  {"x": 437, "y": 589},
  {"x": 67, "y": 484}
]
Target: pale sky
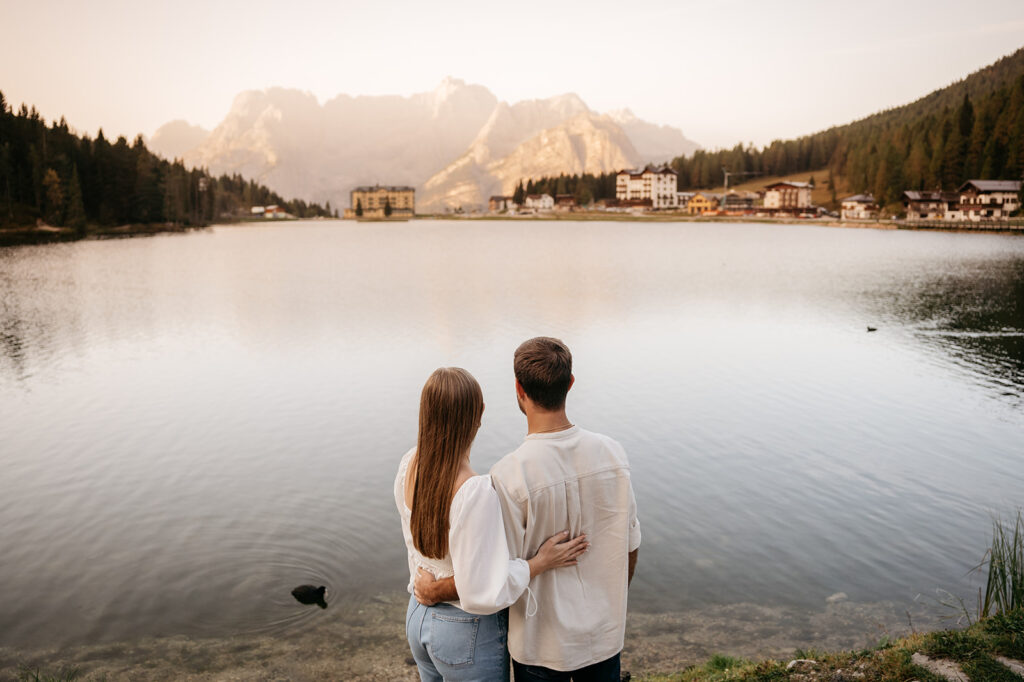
[{"x": 723, "y": 72}]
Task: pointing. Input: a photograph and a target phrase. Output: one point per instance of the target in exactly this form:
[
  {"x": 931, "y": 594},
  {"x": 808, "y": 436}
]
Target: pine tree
[
  {"x": 387, "y": 207},
  {"x": 519, "y": 195},
  {"x": 75, "y": 217},
  {"x": 54, "y": 206},
  {"x": 359, "y": 208}
]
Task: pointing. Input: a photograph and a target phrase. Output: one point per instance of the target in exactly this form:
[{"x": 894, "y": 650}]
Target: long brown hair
[{"x": 451, "y": 406}]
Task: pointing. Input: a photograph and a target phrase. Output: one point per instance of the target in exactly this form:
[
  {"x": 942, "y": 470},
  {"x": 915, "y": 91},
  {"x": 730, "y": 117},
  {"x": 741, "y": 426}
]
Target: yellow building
[
  {"x": 373, "y": 202},
  {"x": 702, "y": 202}
]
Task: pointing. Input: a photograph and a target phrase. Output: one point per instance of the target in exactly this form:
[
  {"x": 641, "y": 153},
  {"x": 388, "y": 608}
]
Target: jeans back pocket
[{"x": 453, "y": 638}]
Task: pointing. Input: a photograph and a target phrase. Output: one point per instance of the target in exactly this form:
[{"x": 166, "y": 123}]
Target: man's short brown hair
[{"x": 543, "y": 367}]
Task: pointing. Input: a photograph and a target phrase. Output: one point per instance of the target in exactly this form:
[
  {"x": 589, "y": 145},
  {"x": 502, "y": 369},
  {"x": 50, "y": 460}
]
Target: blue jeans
[
  {"x": 450, "y": 644},
  {"x": 605, "y": 671}
]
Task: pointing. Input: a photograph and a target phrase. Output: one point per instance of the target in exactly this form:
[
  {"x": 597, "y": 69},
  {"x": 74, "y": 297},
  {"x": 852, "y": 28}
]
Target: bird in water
[
  {"x": 872, "y": 329},
  {"x": 307, "y": 594}
]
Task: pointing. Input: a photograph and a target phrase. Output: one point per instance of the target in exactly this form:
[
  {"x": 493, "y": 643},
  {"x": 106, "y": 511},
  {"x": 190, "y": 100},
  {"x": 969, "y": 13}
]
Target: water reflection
[
  {"x": 969, "y": 313},
  {"x": 192, "y": 425}
]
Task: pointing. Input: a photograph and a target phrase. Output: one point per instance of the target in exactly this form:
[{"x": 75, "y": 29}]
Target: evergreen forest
[
  {"x": 51, "y": 174},
  {"x": 972, "y": 129}
]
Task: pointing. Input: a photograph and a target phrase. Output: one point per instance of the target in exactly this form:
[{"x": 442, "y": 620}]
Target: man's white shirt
[{"x": 578, "y": 481}]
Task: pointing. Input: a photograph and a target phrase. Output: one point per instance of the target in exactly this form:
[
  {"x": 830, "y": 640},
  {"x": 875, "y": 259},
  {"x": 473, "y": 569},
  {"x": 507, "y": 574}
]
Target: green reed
[{"x": 1004, "y": 586}]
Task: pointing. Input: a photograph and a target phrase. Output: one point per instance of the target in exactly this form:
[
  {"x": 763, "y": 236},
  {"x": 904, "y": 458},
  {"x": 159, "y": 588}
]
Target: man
[{"x": 571, "y": 623}]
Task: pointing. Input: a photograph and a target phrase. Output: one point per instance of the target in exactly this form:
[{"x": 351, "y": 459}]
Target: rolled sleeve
[{"x": 487, "y": 579}]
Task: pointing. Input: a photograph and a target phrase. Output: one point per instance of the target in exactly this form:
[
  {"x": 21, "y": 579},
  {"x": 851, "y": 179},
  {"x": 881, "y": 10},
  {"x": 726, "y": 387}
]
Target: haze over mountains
[{"x": 457, "y": 144}]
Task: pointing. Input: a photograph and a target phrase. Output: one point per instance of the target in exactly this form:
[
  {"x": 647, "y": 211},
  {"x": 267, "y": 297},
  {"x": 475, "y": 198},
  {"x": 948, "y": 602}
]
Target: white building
[
  {"x": 785, "y": 195},
  {"x": 987, "y": 200},
  {"x": 539, "y": 202},
  {"x": 859, "y": 207},
  {"x": 659, "y": 185}
]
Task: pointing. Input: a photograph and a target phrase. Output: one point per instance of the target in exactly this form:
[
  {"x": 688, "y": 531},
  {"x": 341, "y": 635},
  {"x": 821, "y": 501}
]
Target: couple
[{"x": 552, "y": 533}]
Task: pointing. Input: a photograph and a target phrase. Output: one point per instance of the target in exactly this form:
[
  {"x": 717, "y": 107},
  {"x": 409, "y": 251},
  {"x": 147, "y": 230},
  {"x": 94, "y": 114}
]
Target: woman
[{"x": 452, "y": 525}]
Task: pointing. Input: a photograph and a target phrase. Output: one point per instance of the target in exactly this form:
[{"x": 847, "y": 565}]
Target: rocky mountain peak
[{"x": 455, "y": 143}]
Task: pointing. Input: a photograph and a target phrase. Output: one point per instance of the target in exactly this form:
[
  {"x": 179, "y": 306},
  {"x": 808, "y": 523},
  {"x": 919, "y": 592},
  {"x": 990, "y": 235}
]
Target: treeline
[
  {"x": 971, "y": 129},
  {"x": 48, "y": 172},
  {"x": 585, "y": 188}
]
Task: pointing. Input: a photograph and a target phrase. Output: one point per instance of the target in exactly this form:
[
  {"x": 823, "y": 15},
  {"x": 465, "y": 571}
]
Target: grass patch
[
  {"x": 973, "y": 648},
  {"x": 33, "y": 675},
  {"x": 1006, "y": 631}
]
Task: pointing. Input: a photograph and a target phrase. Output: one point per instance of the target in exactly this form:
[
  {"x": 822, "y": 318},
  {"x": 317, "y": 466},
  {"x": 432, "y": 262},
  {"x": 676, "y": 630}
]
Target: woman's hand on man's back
[{"x": 558, "y": 551}]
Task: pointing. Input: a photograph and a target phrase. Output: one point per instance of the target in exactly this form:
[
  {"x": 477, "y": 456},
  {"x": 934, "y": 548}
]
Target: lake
[{"x": 191, "y": 425}]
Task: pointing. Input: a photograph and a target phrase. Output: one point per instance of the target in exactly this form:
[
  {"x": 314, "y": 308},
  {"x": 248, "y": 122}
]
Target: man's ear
[
  {"x": 519, "y": 390},
  {"x": 572, "y": 380}
]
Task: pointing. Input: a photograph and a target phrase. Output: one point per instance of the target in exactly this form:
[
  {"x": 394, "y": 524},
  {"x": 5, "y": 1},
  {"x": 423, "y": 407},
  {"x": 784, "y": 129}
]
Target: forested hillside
[
  {"x": 971, "y": 129},
  {"x": 48, "y": 172}
]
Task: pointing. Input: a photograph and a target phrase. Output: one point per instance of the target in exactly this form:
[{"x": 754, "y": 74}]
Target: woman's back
[{"x": 472, "y": 491}]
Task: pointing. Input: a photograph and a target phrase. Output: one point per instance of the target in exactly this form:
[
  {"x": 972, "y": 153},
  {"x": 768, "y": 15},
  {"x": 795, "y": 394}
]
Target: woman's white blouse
[{"x": 486, "y": 579}]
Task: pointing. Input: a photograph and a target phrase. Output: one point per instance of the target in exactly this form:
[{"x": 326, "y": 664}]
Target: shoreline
[
  {"x": 45, "y": 234},
  {"x": 593, "y": 216},
  {"x": 367, "y": 642}
]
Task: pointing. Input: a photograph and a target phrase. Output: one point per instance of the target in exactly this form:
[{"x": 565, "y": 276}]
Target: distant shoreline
[
  {"x": 593, "y": 216},
  {"x": 45, "y": 234}
]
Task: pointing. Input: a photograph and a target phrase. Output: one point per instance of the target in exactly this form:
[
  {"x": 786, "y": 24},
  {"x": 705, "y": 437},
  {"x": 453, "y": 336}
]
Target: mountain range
[{"x": 457, "y": 144}]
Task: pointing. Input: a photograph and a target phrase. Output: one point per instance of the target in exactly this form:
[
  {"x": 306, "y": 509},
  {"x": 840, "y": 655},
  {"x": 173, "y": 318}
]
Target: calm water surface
[{"x": 191, "y": 425}]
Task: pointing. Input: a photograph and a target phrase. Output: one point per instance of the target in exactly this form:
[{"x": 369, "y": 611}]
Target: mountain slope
[
  {"x": 456, "y": 144},
  {"x": 172, "y": 140},
  {"x": 652, "y": 142},
  {"x": 585, "y": 143},
  {"x": 973, "y": 128}
]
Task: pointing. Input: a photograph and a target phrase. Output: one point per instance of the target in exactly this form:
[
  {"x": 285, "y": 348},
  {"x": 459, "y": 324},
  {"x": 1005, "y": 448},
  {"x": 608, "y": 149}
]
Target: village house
[
  {"x": 271, "y": 212},
  {"x": 659, "y": 185},
  {"x": 982, "y": 200},
  {"x": 739, "y": 203},
  {"x": 859, "y": 207},
  {"x": 540, "y": 203},
  {"x": 925, "y": 205},
  {"x": 379, "y": 200},
  {"x": 682, "y": 199},
  {"x": 787, "y": 195},
  {"x": 565, "y": 202},
  {"x": 703, "y": 202},
  {"x": 501, "y": 204}
]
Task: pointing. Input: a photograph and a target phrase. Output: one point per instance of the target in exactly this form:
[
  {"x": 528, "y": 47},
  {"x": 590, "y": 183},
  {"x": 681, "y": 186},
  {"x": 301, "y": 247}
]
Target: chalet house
[
  {"x": 539, "y": 202},
  {"x": 500, "y": 204},
  {"x": 660, "y": 185},
  {"x": 859, "y": 207},
  {"x": 565, "y": 202},
  {"x": 739, "y": 202},
  {"x": 988, "y": 199},
  {"x": 683, "y": 198},
  {"x": 703, "y": 202},
  {"x": 926, "y": 205},
  {"x": 788, "y": 195}
]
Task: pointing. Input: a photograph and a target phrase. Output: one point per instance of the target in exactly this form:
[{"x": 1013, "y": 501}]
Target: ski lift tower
[{"x": 728, "y": 174}]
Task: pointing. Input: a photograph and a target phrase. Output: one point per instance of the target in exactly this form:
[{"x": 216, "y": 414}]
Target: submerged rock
[{"x": 307, "y": 594}]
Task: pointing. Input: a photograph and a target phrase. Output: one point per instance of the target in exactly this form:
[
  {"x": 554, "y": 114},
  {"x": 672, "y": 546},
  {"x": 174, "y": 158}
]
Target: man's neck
[{"x": 546, "y": 422}]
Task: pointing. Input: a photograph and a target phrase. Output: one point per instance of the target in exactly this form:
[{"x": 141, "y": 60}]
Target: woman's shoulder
[{"x": 476, "y": 491}]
